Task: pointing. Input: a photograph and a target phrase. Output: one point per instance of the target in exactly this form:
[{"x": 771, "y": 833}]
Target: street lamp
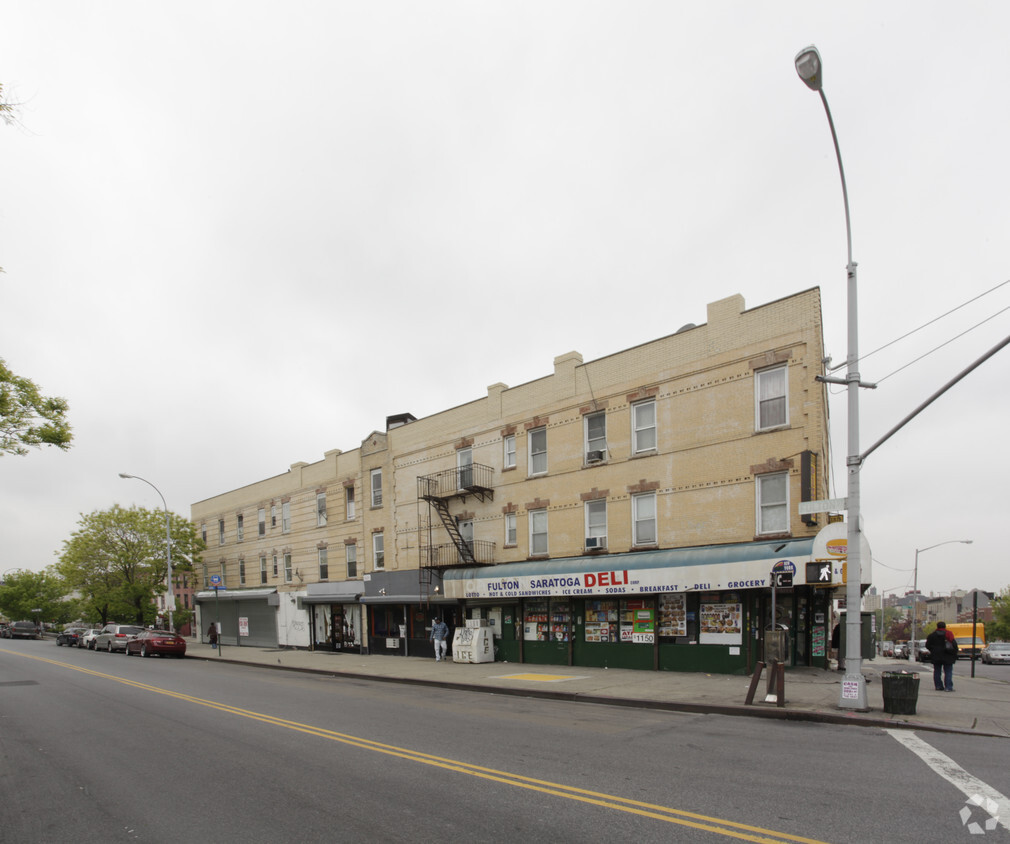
[
  {"x": 170, "y": 595},
  {"x": 853, "y": 691},
  {"x": 915, "y": 585}
]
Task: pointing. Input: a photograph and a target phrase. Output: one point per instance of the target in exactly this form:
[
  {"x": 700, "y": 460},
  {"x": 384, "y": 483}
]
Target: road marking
[
  {"x": 681, "y": 817},
  {"x": 543, "y": 678},
  {"x": 954, "y": 773}
]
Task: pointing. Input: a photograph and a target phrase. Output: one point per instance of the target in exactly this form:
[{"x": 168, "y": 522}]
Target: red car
[{"x": 150, "y": 642}]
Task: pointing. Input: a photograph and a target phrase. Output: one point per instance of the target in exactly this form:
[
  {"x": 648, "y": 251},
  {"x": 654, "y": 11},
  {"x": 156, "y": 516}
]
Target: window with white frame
[
  {"x": 509, "y": 444},
  {"x": 596, "y": 437},
  {"x": 643, "y": 427},
  {"x": 349, "y": 499},
  {"x": 273, "y": 515},
  {"x": 206, "y": 577},
  {"x": 376, "y": 476},
  {"x": 378, "y": 551},
  {"x": 538, "y": 532},
  {"x": 261, "y": 516},
  {"x": 643, "y": 519},
  {"x": 773, "y": 503},
  {"x": 772, "y": 406},
  {"x": 263, "y": 568},
  {"x": 239, "y": 527},
  {"x": 275, "y": 565},
  {"x": 464, "y": 468},
  {"x": 351, "y": 555},
  {"x": 538, "y": 451},
  {"x": 324, "y": 563},
  {"x": 596, "y": 524},
  {"x": 285, "y": 517},
  {"x": 287, "y": 568},
  {"x": 511, "y": 537},
  {"x": 241, "y": 571},
  {"x": 320, "y": 509},
  {"x": 220, "y": 531},
  {"x": 221, "y": 573}
]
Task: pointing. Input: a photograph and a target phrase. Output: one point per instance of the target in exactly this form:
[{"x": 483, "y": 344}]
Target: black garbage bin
[{"x": 901, "y": 691}]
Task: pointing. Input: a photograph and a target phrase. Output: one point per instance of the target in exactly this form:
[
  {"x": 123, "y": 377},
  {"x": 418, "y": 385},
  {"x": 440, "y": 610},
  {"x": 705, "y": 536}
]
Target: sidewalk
[{"x": 980, "y": 705}]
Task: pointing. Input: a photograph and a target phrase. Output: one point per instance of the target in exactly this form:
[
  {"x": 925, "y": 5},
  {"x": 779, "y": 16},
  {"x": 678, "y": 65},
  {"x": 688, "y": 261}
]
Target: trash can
[{"x": 901, "y": 691}]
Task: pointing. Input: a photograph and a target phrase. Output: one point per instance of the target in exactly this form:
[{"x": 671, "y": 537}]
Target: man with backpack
[{"x": 942, "y": 649}]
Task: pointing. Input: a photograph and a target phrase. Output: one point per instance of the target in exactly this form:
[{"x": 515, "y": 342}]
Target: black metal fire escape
[{"x": 435, "y": 493}]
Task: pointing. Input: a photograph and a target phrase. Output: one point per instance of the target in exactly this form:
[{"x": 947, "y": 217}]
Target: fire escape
[{"x": 434, "y": 494}]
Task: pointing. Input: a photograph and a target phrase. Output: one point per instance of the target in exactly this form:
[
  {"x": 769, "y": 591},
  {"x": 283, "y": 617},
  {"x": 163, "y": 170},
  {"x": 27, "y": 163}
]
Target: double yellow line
[{"x": 728, "y": 829}]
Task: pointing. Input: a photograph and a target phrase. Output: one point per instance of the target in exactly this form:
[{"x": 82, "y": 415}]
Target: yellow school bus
[{"x": 962, "y": 635}]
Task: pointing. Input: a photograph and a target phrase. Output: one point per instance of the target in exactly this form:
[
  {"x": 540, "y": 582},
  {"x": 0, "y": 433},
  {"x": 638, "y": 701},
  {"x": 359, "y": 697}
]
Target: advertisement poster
[
  {"x": 672, "y": 615},
  {"x": 644, "y": 630},
  {"x": 817, "y": 641},
  {"x": 721, "y": 624}
]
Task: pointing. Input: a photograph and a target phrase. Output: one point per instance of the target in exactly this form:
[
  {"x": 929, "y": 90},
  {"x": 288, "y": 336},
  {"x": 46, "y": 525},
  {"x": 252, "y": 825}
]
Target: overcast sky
[{"x": 236, "y": 235}]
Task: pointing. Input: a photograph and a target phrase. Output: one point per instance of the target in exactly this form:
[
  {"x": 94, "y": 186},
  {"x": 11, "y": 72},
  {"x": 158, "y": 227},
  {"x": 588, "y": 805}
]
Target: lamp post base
[{"x": 853, "y": 694}]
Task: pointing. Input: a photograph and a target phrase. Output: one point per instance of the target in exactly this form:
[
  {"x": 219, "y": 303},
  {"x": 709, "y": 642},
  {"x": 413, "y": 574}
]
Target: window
[
  {"x": 510, "y": 451},
  {"x": 511, "y": 537},
  {"x": 596, "y": 437},
  {"x": 241, "y": 572},
  {"x": 596, "y": 524},
  {"x": 376, "y": 487},
  {"x": 203, "y": 533},
  {"x": 221, "y": 572},
  {"x": 351, "y": 553},
  {"x": 206, "y": 578},
  {"x": 273, "y": 515},
  {"x": 378, "y": 551},
  {"x": 220, "y": 531},
  {"x": 538, "y": 532},
  {"x": 349, "y": 495},
  {"x": 643, "y": 423},
  {"x": 324, "y": 564},
  {"x": 275, "y": 565},
  {"x": 261, "y": 517},
  {"x": 263, "y": 568},
  {"x": 285, "y": 517},
  {"x": 773, "y": 503},
  {"x": 772, "y": 407},
  {"x": 643, "y": 516},
  {"x": 538, "y": 451},
  {"x": 320, "y": 509},
  {"x": 287, "y": 568},
  {"x": 464, "y": 467},
  {"x": 239, "y": 527},
  {"x": 466, "y": 534}
]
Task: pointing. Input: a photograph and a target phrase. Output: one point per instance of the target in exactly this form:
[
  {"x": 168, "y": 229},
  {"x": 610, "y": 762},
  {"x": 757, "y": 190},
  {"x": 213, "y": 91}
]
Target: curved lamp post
[
  {"x": 915, "y": 584},
  {"x": 170, "y": 595},
  {"x": 853, "y": 691}
]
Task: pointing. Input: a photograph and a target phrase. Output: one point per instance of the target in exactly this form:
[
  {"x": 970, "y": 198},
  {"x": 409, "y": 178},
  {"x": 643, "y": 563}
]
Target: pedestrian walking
[
  {"x": 439, "y": 634},
  {"x": 942, "y": 647},
  {"x": 212, "y": 634}
]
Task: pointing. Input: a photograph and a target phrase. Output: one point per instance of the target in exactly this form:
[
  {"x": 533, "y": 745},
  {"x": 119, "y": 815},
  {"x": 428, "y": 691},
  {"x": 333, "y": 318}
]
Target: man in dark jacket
[{"x": 943, "y": 653}]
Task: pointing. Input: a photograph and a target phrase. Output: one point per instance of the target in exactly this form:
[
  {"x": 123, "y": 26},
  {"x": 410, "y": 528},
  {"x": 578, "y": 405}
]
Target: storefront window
[
  {"x": 535, "y": 623},
  {"x": 561, "y": 619},
  {"x": 638, "y": 621},
  {"x": 672, "y": 615},
  {"x": 601, "y": 621},
  {"x": 548, "y": 621},
  {"x": 721, "y": 623}
]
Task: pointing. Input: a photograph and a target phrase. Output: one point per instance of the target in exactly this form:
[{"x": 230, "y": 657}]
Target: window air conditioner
[
  {"x": 595, "y": 542},
  {"x": 594, "y": 456}
]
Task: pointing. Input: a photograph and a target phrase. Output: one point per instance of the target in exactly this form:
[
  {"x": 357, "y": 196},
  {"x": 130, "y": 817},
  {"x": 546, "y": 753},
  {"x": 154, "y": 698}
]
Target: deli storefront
[{"x": 685, "y": 609}]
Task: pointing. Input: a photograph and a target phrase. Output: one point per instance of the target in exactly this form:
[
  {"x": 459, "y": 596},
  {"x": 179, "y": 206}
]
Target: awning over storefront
[
  {"x": 413, "y": 598},
  {"x": 234, "y": 594},
  {"x": 344, "y": 592},
  {"x": 706, "y": 568}
]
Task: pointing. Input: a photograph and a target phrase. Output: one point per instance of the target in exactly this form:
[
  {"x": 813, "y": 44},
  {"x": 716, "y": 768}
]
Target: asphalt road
[{"x": 99, "y": 747}]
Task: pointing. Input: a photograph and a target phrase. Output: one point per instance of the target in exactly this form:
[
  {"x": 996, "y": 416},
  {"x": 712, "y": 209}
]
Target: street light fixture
[
  {"x": 915, "y": 585},
  {"x": 853, "y": 690},
  {"x": 170, "y": 595}
]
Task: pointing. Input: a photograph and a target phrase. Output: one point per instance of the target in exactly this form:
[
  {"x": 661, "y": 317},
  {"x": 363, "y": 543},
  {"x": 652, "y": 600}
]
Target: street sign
[
  {"x": 825, "y": 505},
  {"x": 783, "y": 579}
]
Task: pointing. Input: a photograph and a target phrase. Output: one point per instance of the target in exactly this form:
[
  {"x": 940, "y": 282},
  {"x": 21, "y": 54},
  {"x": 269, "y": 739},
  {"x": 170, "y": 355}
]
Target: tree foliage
[
  {"x": 29, "y": 419},
  {"x": 116, "y": 561},
  {"x": 34, "y": 596},
  {"x": 998, "y": 630}
]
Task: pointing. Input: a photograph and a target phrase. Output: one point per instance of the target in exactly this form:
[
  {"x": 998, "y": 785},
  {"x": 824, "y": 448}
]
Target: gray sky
[{"x": 237, "y": 235}]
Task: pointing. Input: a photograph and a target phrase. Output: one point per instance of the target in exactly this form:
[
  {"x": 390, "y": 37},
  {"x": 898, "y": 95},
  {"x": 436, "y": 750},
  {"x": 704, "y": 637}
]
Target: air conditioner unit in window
[
  {"x": 594, "y": 456},
  {"x": 595, "y": 542}
]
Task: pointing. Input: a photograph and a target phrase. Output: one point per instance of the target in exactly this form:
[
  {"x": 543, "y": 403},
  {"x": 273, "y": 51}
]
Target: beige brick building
[{"x": 681, "y": 460}]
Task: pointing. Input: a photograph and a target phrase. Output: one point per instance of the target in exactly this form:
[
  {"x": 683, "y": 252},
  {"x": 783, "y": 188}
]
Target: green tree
[
  {"x": 998, "y": 630},
  {"x": 34, "y": 596},
  {"x": 29, "y": 419},
  {"x": 116, "y": 561}
]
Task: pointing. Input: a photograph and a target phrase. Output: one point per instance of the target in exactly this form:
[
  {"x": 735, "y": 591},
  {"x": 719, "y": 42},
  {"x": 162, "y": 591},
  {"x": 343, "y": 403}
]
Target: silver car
[
  {"x": 997, "y": 652},
  {"x": 87, "y": 639},
  {"x": 113, "y": 637}
]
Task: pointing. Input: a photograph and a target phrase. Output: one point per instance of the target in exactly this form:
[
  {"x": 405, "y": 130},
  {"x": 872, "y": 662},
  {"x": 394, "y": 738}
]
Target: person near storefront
[
  {"x": 942, "y": 649},
  {"x": 439, "y": 635},
  {"x": 212, "y": 634}
]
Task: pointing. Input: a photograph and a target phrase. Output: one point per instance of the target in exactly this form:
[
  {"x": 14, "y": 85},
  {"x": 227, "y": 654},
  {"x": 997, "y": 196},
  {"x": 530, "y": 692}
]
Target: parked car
[
  {"x": 113, "y": 637},
  {"x": 900, "y": 650},
  {"x": 70, "y": 636},
  {"x": 996, "y": 653},
  {"x": 150, "y": 642},
  {"x": 24, "y": 630},
  {"x": 87, "y": 639},
  {"x": 5, "y": 630},
  {"x": 922, "y": 652}
]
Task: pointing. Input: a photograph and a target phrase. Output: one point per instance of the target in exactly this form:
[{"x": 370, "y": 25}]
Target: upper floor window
[
  {"x": 596, "y": 524},
  {"x": 220, "y": 531},
  {"x": 643, "y": 519},
  {"x": 321, "y": 509},
  {"x": 261, "y": 516},
  {"x": 239, "y": 527},
  {"x": 771, "y": 399},
  {"x": 275, "y": 565},
  {"x": 263, "y": 568},
  {"x": 287, "y": 568},
  {"x": 349, "y": 497},
  {"x": 203, "y": 533},
  {"x": 464, "y": 467},
  {"x": 324, "y": 563},
  {"x": 351, "y": 554},
  {"x": 511, "y": 538},
  {"x": 509, "y": 458},
  {"x": 773, "y": 503},
  {"x": 538, "y": 532},
  {"x": 221, "y": 572},
  {"x": 538, "y": 451},
  {"x": 376, "y": 476},
  {"x": 285, "y": 516},
  {"x": 596, "y": 437},
  {"x": 241, "y": 572},
  {"x": 273, "y": 515},
  {"x": 643, "y": 426},
  {"x": 378, "y": 551}
]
